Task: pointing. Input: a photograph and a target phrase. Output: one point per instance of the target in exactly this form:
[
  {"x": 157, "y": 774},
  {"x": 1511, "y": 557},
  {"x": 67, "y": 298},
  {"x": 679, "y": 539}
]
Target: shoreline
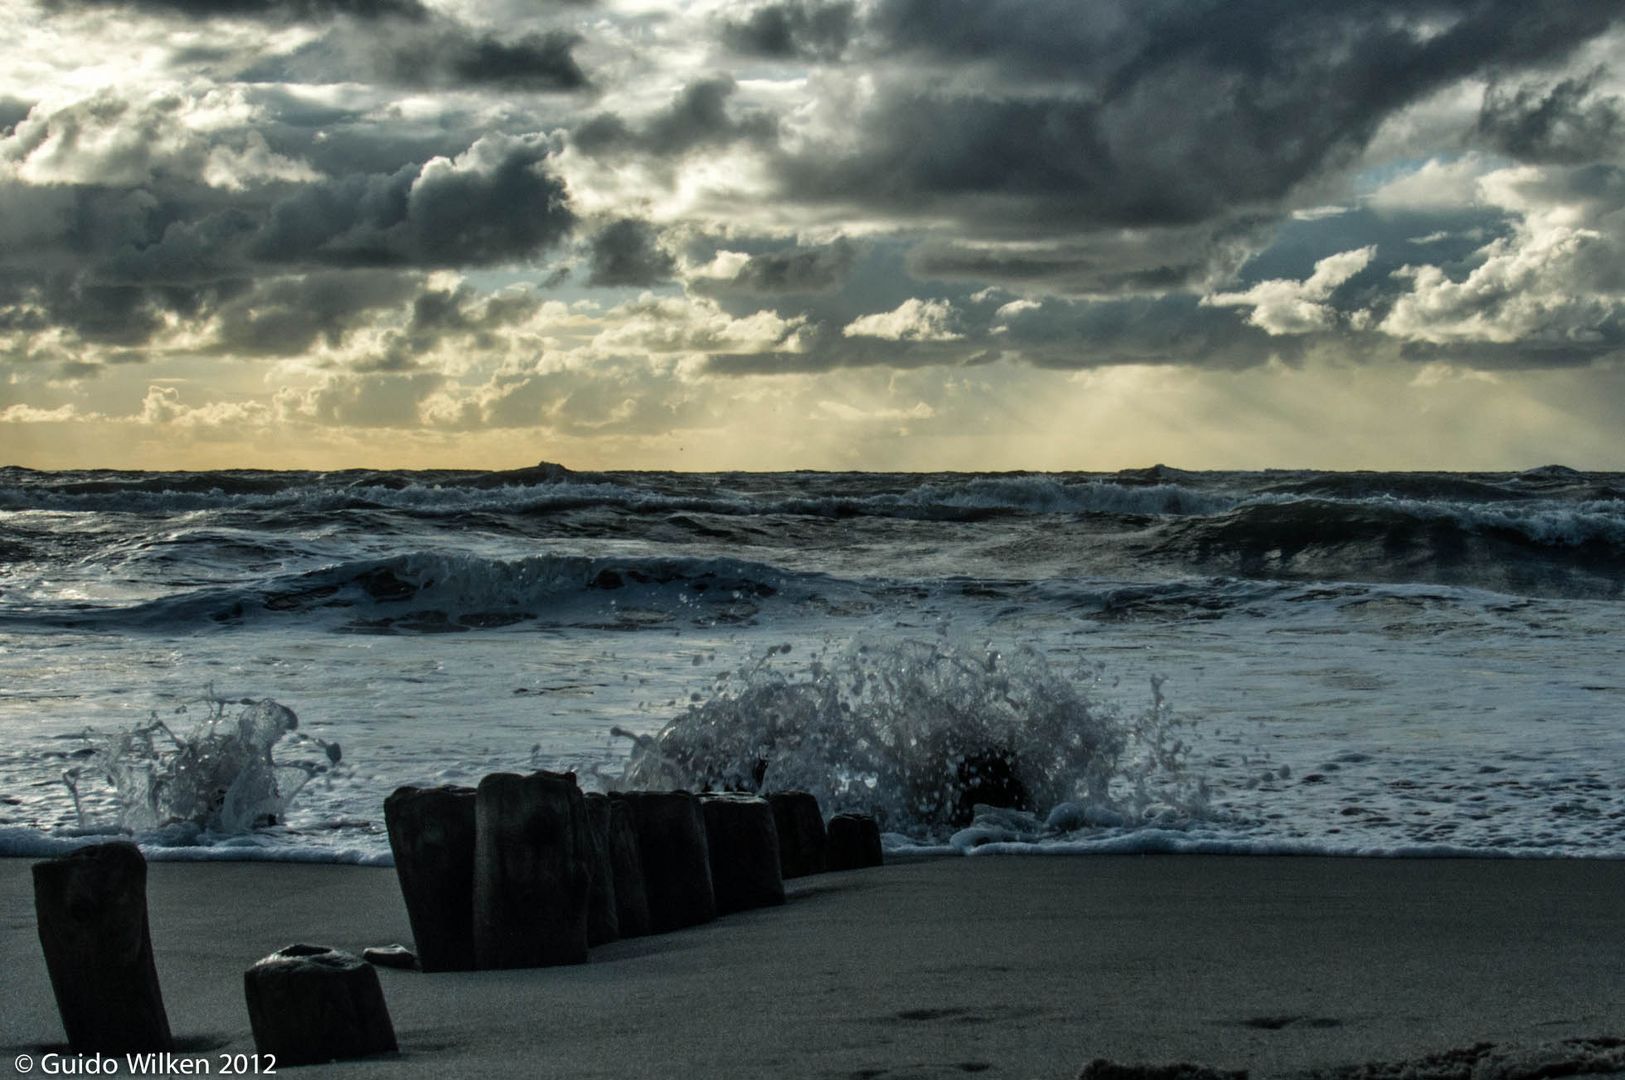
[{"x": 935, "y": 966}]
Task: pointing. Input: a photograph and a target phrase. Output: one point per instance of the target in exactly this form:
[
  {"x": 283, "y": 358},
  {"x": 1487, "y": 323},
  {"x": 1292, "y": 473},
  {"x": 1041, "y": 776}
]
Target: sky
[{"x": 833, "y": 234}]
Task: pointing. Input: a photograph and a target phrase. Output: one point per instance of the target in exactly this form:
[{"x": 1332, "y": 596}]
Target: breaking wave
[
  {"x": 431, "y": 592},
  {"x": 924, "y": 734},
  {"x": 1543, "y": 548},
  {"x": 221, "y": 778}
]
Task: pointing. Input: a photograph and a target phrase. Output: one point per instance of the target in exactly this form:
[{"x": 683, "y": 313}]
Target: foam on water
[
  {"x": 916, "y": 732},
  {"x": 221, "y": 779}
]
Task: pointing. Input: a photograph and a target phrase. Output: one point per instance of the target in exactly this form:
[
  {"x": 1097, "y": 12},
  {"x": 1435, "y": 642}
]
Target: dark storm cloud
[
  {"x": 792, "y": 29},
  {"x": 286, "y": 316},
  {"x": 1123, "y": 261},
  {"x": 265, "y": 10},
  {"x": 442, "y": 313},
  {"x": 628, "y": 253},
  {"x": 697, "y": 118},
  {"x": 1606, "y": 342},
  {"x": 1565, "y": 122},
  {"x": 274, "y": 269},
  {"x": 1140, "y": 330},
  {"x": 451, "y": 55},
  {"x": 1026, "y": 115},
  {"x": 104, "y": 314},
  {"x": 339, "y": 141},
  {"x": 496, "y": 204},
  {"x": 434, "y": 51},
  {"x": 1072, "y": 271}
]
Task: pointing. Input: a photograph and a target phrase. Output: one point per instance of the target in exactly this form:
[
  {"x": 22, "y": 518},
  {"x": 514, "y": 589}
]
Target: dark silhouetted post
[
  {"x": 744, "y": 846},
  {"x": 532, "y": 871},
  {"x": 854, "y": 842},
  {"x": 801, "y": 833},
  {"x": 431, "y": 832},
  {"x": 676, "y": 865},
  {"x": 309, "y": 1004},
  {"x": 603, "y": 922},
  {"x": 631, "y": 897},
  {"x": 91, "y": 907}
]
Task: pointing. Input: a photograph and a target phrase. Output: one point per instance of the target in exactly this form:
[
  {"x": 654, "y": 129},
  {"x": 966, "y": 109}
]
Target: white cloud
[
  {"x": 1282, "y": 306},
  {"x": 666, "y": 326},
  {"x": 912, "y": 320},
  {"x": 724, "y": 266},
  {"x": 1438, "y": 185},
  {"x": 1556, "y": 279},
  {"x": 1009, "y": 311},
  {"x": 29, "y": 414},
  {"x": 1523, "y": 290},
  {"x": 163, "y": 407},
  {"x": 110, "y": 139}
]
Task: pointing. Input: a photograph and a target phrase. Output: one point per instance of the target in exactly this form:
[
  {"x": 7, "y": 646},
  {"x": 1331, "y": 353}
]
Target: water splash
[
  {"x": 920, "y": 733},
  {"x": 221, "y": 777}
]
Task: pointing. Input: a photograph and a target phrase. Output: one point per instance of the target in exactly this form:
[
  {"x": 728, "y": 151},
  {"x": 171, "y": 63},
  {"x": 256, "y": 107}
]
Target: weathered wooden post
[
  {"x": 603, "y": 921},
  {"x": 431, "y": 832},
  {"x": 309, "y": 1004},
  {"x": 743, "y": 843},
  {"x": 91, "y": 908},
  {"x": 676, "y": 865},
  {"x": 532, "y": 871},
  {"x": 854, "y": 842},
  {"x": 801, "y": 832},
  {"x": 631, "y": 896}
]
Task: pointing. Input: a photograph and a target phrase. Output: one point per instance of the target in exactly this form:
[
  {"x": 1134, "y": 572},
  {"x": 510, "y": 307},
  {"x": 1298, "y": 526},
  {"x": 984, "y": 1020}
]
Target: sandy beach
[{"x": 1003, "y": 967}]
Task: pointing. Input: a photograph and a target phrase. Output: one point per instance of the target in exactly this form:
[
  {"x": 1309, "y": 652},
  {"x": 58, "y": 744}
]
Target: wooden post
[
  {"x": 676, "y": 865},
  {"x": 532, "y": 871},
  {"x": 309, "y": 1004},
  {"x": 801, "y": 832},
  {"x": 603, "y": 922},
  {"x": 431, "y": 832},
  {"x": 744, "y": 847},
  {"x": 91, "y": 907},
  {"x": 854, "y": 842},
  {"x": 631, "y": 896}
]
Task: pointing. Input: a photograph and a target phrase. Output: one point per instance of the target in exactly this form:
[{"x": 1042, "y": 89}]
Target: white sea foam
[
  {"x": 912, "y": 730},
  {"x": 220, "y": 778}
]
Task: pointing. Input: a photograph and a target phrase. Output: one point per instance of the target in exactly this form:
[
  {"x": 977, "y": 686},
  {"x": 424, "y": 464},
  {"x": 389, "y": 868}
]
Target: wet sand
[{"x": 1018, "y": 967}]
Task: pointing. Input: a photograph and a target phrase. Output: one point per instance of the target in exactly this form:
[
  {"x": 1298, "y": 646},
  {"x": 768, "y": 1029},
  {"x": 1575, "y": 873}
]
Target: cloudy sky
[{"x": 914, "y": 234}]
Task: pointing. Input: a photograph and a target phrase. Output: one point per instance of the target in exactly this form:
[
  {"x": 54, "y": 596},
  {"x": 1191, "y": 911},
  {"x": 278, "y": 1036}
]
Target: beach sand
[{"x": 993, "y": 966}]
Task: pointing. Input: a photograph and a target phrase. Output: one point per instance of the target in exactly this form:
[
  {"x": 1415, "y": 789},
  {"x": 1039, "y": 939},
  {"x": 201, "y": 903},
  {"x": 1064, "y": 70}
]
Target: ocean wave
[
  {"x": 1598, "y": 523},
  {"x": 437, "y": 592},
  {"x": 531, "y": 492},
  {"x": 1544, "y": 548},
  {"x": 1425, "y": 486}
]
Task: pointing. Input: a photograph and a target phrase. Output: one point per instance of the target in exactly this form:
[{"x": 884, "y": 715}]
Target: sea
[{"x": 243, "y": 664}]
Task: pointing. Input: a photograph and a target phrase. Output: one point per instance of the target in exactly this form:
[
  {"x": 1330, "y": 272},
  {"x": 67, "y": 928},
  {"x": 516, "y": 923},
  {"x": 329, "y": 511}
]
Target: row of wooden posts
[{"x": 524, "y": 871}]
